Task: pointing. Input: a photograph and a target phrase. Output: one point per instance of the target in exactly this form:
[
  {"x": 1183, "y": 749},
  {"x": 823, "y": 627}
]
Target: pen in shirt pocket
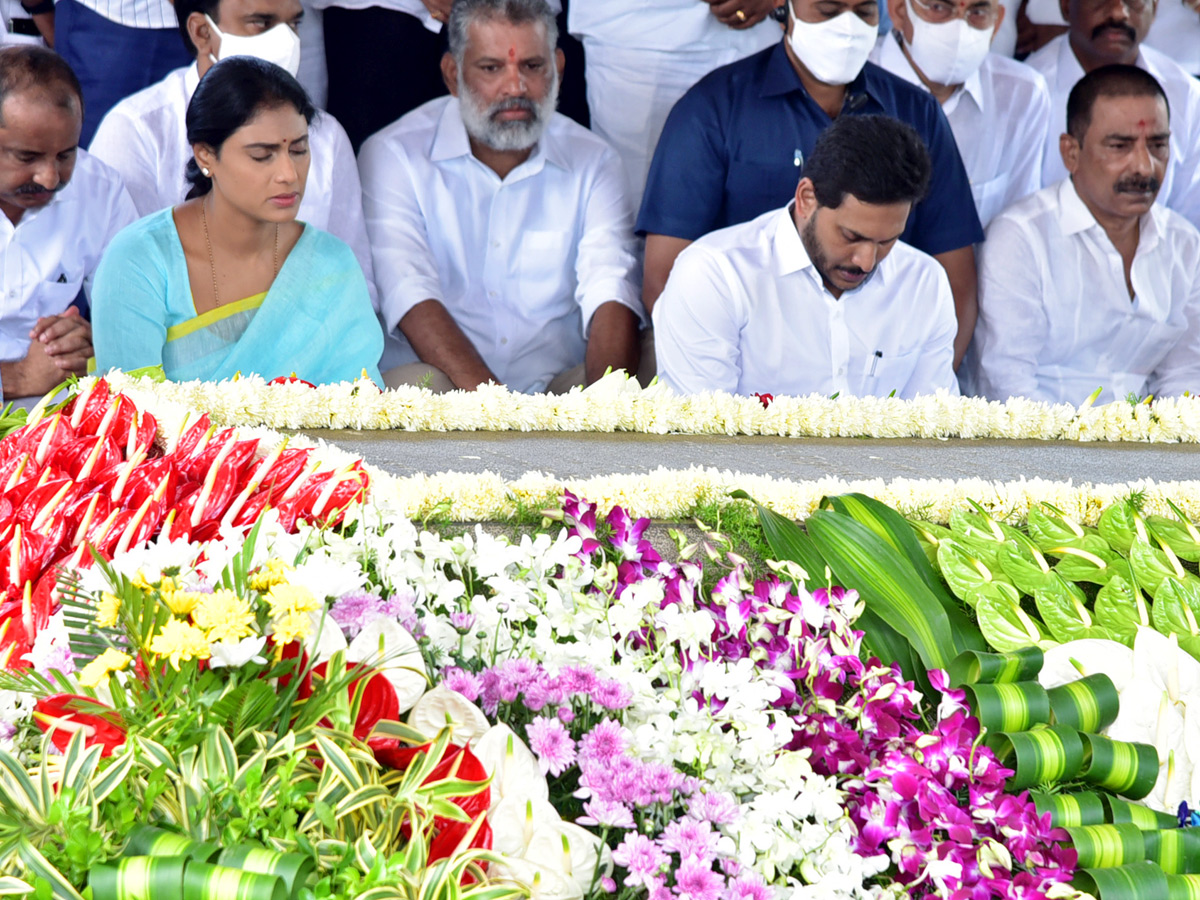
[{"x": 874, "y": 362}]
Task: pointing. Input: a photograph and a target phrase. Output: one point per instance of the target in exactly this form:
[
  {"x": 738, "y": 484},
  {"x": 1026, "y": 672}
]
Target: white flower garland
[{"x": 617, "y": 403}]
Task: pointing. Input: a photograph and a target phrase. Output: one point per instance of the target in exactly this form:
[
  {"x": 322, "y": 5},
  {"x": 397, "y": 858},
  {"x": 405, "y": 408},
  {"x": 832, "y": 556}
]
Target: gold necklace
[{"x": 212, "y": 263}]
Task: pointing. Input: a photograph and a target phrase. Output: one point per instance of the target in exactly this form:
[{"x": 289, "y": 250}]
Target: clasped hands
[{"x": 58, "y": 346}]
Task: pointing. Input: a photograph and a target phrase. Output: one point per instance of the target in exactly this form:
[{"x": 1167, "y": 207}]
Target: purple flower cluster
[
  {"x": 932, "y": 800},
  {"x": 531, "y": 684},
  {"x": 355, "y": 610}
]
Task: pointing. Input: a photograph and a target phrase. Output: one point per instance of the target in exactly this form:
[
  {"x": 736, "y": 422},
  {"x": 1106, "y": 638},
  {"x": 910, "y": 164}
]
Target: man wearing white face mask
[
  {"x": 733, "y": 146},
  {"x": 999, "y": 109},
  {"x": 144, "y": 137}
]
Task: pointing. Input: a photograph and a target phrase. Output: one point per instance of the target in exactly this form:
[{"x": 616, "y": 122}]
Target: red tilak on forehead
[
  {"x": 1141, "y": 124},
  {"x": 512, "y": 52}
]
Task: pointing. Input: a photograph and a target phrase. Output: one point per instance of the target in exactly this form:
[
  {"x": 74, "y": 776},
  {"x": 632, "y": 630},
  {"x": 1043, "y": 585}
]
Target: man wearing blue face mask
[
  {"x": 144, "y": 137},
  {"x": 733, "y": 147},
  {"x": 998, "y": 108}
]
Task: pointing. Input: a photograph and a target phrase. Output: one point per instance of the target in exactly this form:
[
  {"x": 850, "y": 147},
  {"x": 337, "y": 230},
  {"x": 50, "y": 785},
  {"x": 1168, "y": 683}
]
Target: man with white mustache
[
  {"x": 502, "y": 231},
  {"x": 998, "y": 108},
  {"x": 734, "y": 145}
]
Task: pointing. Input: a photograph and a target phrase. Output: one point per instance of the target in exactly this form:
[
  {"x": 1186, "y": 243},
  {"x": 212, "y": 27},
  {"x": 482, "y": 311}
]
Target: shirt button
[
  {"x": 491, "y": 293},
  {"x": 504, "y": 340},
  {"x": 842, "y": 370},
  {"x": 495, "y": 243}
]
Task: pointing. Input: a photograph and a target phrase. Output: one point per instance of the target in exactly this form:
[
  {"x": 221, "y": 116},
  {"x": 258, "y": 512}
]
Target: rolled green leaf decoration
[
  {"x": 1071, "y": 810},
  {"x": 1183, "y": 887},
  {"x": 974, "y": 666},
  {"x": 1009, "y": 707},
  {"x": 1145, "y": 818},
  {"x": 1119, "y": 766},
  {"x": 1138, "y": 881},
  {"x": 139, "y": 878},
  {"x": 1045, "y": 754},
  {"x": 1176, "y": 850},
  {"x": 293, "y": 868},
  {"x": 1107, "y": 846},
  {"x": 1090, "y": 704},
  {"x": 202, "y": 881},
  {"x": 146, "y": 840}
]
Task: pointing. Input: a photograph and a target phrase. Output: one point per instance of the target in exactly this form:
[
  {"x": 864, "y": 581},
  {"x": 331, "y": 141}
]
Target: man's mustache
[
  {"x": 1114, "y": 26},
  {"x": 513, "y": 103},
  {"x": 1138, "y": 185},
  {"x": 33, "y": 187}
]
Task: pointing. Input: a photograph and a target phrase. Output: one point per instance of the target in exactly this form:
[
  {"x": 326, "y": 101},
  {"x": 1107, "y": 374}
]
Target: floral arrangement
[
  {"x": 617, "y": 403},
  {"x": 283, "y": 687}
]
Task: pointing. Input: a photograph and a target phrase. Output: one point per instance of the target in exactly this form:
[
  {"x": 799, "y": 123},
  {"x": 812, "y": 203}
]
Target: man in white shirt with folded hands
[
  {"x": 502, "y": 231},
  {"x": 821, "y": 296},
  {"x": 1091, "y": 283}
]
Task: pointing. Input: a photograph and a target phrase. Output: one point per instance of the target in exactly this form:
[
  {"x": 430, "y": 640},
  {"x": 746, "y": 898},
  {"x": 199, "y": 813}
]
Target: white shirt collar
[
  {"x": 450, "y": 141},
  {"x": 892, "y": 58},
  {"x": 191, "y": 79},
  {"x": 791, "y": 256},
  {"x": 1074, "y": 217}
]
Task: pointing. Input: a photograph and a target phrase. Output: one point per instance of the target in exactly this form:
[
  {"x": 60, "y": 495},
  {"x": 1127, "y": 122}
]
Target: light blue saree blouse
[{"x": 316, "y": 320}]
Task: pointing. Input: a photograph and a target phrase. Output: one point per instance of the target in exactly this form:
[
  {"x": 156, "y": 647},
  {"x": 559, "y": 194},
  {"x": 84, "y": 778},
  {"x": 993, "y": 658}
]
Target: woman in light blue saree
[{"x": 229, "y": 281}]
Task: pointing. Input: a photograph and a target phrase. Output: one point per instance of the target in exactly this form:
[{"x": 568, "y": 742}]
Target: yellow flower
[
  {"x": 140, "y": 582},
  {"x": 107, "y": 611},
  {"x": 180, "y": 641},
  {"x": 224, "y": 616},
  {"x": 167, "y": 587},
  {"x": 293, "y": 626},
  {"x": 290, "y": 598},
  {"x": 183, "y": 602},
  {"x": 97, "y": 671},
  {"x": 274, "y": 571}
]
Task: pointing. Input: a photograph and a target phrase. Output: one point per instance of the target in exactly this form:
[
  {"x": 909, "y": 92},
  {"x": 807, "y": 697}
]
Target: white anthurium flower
[
  {"x": 512, "y": 765},
  {"x": 1077, "y": 659},
  {"x": 543, "y": 882},
  {"x": 441, "y": 707},
  {"x": 514, "y": 821},
  {"x": 567, "y": 850},
  {"x": 326, "y": 637},
  {"x": 328, "y": 577},
  {"x": 232, "y": 654},
  {"x": 388, "y": 646}
]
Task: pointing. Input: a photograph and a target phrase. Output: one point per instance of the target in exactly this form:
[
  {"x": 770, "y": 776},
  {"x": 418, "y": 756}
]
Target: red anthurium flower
[
  {"x": 291, "y": 379},
  {"x": 379, "y": 701},
  {"x": 446, "y": 839},
  {"x": 64, "y": 714},
  {"x": 765, "y": 399}
]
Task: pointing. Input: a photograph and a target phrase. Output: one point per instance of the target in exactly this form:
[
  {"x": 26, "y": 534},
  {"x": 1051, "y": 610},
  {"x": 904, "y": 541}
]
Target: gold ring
[{"x": 741, "y": 16}]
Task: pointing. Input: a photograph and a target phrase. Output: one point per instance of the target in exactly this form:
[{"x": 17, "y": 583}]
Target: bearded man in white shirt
[
  {"x": 60, "y": 209},
  {"x": 502, "y": 231},
  {"x": 1109, "y": 32},
  {"x": 1090, "y": 283},
  {"x": 998, "y": 108},
  {"x": 821, "y": 296}
]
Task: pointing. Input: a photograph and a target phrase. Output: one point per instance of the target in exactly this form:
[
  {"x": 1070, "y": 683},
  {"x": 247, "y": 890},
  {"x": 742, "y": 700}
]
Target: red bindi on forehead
[{"x": 512, "y": 52}]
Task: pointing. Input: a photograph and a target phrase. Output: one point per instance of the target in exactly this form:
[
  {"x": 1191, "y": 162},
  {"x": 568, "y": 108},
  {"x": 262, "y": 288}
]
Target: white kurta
[
  {"x": 1055, "y": 317},
  {"x": 521, "y": 264},
  {"x": 745, "y": 311},
  {"x": 999, "y": 117},
  {"x": 642, "y": 57},
  {"x": 52, "y": 252},
  {"x": 1181, "y": 186}
]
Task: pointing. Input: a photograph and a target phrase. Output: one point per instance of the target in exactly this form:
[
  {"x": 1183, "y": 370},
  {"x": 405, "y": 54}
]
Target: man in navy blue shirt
[{"x": 734, "y": 145}]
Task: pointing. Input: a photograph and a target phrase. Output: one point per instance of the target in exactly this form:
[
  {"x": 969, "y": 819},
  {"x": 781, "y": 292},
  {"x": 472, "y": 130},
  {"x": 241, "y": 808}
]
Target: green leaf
[
  {"x": 1050, "y": 527},
  {"x": 1137, "y": 881},
  {"x": 1009, "y": 707},
  {"x": 964, "y": 573},
  {"x": 1151, "y": 566},
  {"x": 1074, "y": 809},
  {"x": 973, "y": 667},
  {"x": 1122, "y": 767},
  {"x": 1006, "y": 626},
  {"x": 1042, "y": 755},
  {"x": 1027, "y": 572},
  {"x": 1121, "y": 609},
  {"x": 1089, "y": 560},
  {"x": 861, "y": 559},
  {"x": 1178, "y": 534},
  {"x": 1089, "y": 704},
  {"x": 1107, "y": 846},
  {"x": 38, "y": 866},
  {"x": 1176, "y": 607},
  {"x": 1063, "y": 608},
  {"x": 1117, "y": 526},
  {"x": 787, "y": 540}
]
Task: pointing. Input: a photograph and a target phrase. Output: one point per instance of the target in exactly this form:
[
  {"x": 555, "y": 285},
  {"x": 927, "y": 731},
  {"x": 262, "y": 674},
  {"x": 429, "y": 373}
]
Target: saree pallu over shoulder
[{"x": 316, "y": 321}]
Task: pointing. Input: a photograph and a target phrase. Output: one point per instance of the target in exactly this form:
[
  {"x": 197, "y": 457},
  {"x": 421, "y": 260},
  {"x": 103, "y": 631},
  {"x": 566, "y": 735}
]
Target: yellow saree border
[{"x": 183, "y": 329}]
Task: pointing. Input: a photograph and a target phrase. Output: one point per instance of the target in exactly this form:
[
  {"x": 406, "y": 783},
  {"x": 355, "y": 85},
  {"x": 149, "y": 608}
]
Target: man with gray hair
[{"x": 501, "y": 231}]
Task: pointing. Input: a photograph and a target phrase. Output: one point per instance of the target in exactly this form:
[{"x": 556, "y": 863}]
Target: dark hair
[
  {"x": 876, "y": 159},
  {"x": 1108, "y": 81},
  {"x": 184, "y": 9},
  {"x": 517, "y": 12},
  {"x": 29, "y": 67},
  {"x": 229, "y": 95}
]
